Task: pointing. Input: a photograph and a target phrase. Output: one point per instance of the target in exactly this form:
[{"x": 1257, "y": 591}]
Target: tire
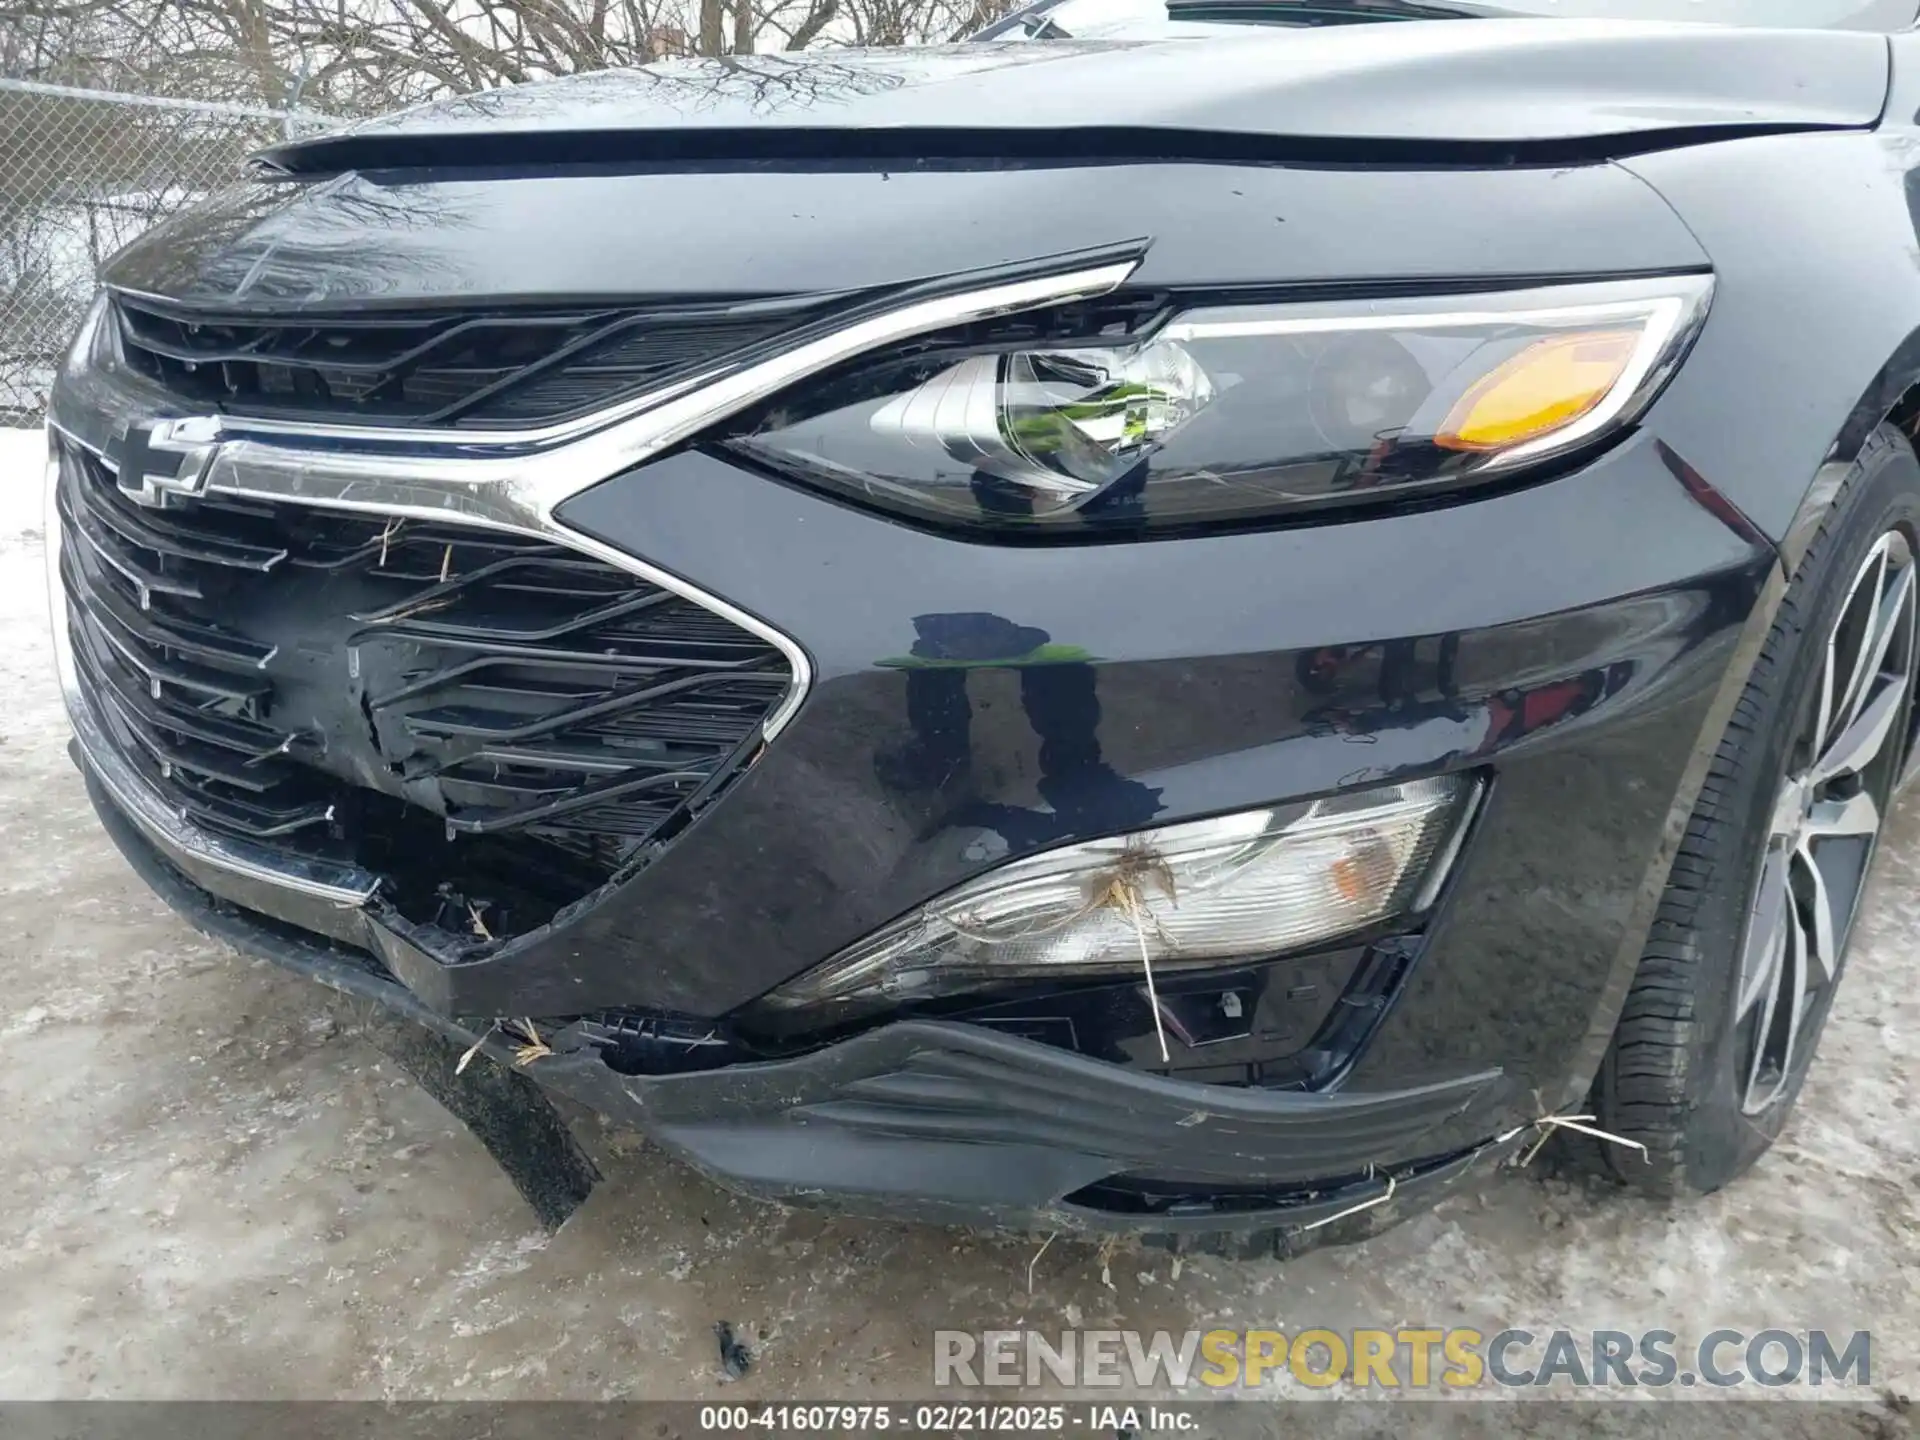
[{"x": 1705, "y": 1065}]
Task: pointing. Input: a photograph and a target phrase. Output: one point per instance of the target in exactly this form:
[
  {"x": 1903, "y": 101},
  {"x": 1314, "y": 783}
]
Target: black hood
[
  {"x": 1380, "y": 153},
  {"x": 1487, "y": 82}
]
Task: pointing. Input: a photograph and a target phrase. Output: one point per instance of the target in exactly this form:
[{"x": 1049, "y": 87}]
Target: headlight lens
[
  {"x": 1250, "y": 884},
  {"x": 1228, "y": 413}
]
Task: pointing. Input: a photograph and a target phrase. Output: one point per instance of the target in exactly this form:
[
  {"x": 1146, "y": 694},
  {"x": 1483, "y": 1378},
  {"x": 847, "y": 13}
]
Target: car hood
[{"x": 1422, "y": 82}]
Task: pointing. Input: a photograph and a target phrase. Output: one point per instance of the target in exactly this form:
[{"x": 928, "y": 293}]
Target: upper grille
[
  {"x": 493, "y": 724},
  {"x": 499, "y": 369}
]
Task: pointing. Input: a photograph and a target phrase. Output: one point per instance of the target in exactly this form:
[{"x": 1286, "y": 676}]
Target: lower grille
[{"x": 493, "y": 724}]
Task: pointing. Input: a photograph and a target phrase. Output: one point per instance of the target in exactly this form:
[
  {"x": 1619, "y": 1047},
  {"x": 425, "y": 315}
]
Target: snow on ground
[
  {"x": 23, "y": 467},
  {"x": 32, "y": 719}
]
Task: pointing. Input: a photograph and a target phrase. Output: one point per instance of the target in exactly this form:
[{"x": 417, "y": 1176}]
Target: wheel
[{"x": 1750, "y": 940}]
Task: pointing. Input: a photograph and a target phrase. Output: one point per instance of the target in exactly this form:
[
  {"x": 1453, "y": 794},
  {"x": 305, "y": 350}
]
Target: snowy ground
[
  {"x": 215, "y": 1190},
  {"x": 22, "y": 465}
]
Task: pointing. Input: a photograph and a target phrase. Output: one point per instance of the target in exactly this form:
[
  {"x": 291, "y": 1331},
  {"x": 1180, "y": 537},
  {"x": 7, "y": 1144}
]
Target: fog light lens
[{"x": 1255, "y": 883}]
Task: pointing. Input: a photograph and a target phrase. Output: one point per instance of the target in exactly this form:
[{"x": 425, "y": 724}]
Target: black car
[{"x": 1192, "y": 636}]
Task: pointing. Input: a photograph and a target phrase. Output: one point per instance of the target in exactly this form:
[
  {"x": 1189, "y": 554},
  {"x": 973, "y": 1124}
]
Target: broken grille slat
[
  {"x": 164, "y": 634},
  {"x": 242, "y": 816},
  {"x": 201, "y": 760},
  {"x": 208, "y": 766},
  {"x": 163, "y": 675},
  {"x": 107, "y": 548},
  {"x": 416, "y": 615},
  {"x": 463, "y": 721},
  {"x": 557, "y": 807},
  {"x": 601, "y": 669},
  {"x": 251, "y": 742},
  {"x": 443, "y": 705},
  {"x": 556, "y": 760}
]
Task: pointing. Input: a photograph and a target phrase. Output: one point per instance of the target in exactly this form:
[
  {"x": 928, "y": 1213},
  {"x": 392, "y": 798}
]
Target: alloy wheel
[{"x": 1826, "y": 820}]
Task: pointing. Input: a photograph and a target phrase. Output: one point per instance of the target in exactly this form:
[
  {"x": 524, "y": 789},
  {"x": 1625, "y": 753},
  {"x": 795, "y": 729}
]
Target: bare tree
[
  {"x": 365, "y": 56},
  {"x": 918, "y": 22}
]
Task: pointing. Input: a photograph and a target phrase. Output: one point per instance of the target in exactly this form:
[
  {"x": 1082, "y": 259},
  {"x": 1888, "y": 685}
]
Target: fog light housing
[{"x": 1252, "y": 884}]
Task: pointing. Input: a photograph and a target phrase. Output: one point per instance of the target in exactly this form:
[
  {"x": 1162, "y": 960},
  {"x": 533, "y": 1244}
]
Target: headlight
[
  {"x": 1253, "y": 884},
  {"x": 1232, "y": 413}
]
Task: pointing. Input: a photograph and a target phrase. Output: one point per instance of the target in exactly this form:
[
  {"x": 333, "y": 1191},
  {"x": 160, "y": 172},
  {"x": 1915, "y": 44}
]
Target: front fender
[{"x": 1814, "y": 336}]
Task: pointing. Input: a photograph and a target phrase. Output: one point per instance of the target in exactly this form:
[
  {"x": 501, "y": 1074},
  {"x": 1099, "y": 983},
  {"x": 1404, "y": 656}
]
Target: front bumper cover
[{"x": 949, "y": 1123}]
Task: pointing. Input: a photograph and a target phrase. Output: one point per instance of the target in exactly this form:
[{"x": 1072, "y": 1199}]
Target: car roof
[{"x": 1170, "y": 19}]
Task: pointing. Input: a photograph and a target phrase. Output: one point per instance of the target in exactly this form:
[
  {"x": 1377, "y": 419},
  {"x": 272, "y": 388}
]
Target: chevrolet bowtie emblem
[{"x": 160, "y": 461}]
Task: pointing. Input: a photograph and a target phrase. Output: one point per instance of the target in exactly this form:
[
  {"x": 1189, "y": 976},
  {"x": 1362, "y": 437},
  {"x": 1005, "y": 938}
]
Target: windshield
[{"x": 1192, "y": 19}]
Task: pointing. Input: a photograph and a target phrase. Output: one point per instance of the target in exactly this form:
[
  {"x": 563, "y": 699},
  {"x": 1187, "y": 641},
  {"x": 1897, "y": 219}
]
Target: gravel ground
[{"x": 220, "y": 1192}]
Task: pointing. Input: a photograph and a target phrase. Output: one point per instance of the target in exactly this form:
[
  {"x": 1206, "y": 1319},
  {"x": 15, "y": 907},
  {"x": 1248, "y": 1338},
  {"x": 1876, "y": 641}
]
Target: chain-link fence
[{"x": 82, "y": 172}]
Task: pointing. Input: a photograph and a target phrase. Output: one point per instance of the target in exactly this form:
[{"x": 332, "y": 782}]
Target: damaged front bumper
[{"x": 930, "y": 1121}]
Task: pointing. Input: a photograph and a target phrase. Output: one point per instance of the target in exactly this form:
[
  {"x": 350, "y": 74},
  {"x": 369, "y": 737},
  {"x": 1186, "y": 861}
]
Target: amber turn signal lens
[{"x": 1547, "y": 385}]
